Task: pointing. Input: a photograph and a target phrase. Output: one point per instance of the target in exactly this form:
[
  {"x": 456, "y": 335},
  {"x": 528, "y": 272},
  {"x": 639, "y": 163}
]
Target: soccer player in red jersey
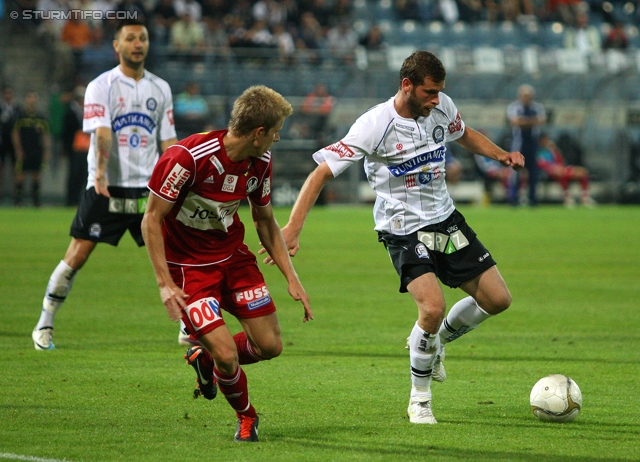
[{"x": 195, "y": 241}]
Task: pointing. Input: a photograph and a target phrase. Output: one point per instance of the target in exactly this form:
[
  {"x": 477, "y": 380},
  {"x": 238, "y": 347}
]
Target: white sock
[
  {"x": 423, "y": 349},
  {"x": 463, "y": 317},
  {"x": 58, "y": 288}
]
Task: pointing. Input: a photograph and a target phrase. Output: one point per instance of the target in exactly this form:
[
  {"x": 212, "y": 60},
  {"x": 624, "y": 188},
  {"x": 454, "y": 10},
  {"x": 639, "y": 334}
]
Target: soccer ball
[{"x": 556, "y": 398}]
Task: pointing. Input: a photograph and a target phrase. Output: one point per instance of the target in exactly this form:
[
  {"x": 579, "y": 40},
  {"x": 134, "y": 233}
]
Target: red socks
[
  {"x": 246, "y": 354},
  {"x": 235, "y": 390}
]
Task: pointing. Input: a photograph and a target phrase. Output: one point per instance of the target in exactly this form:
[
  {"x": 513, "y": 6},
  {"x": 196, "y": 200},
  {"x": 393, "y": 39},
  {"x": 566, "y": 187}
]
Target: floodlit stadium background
[{"x": 592, "y": 98}]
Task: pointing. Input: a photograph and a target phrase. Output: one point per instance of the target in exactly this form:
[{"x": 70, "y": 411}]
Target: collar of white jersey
[{"x": 123, "y": 76}]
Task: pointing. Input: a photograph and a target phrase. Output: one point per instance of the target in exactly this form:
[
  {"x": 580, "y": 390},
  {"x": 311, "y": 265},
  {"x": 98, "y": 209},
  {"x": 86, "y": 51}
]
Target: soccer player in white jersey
[
  {"x": 125, "y": 109},
  {"x": 402, "y": 142}
]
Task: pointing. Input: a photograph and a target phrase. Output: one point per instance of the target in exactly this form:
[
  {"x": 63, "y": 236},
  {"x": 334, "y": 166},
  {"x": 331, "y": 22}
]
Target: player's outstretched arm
[
  {"x": 476, "y": 143},
  {"x": 273, "y": 242},
  {"x": 306, "y": 199},
  {"x": 172, "y": 296}
]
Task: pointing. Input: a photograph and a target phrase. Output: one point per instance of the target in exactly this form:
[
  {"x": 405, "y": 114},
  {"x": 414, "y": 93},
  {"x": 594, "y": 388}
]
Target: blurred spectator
[
  {"x": 75, "y": 144},
  {"x": 453, "y": 167},
  {"x": 284, "y": 42},
  {"x": 272, "y": 12},
  {"x": 526, "y": 116},
  {"x": 108, "y": 26},
  {"x": 216, "y": 39},
  {"x": 407, "y": 9},
  {"x": 9, "y": 111},
  {"x": 321, "y": 12},
  {"x": 470, "y": 10},
  {"x": 342, "y": 41},
  {"x": 584, "y": 36},
  {"x": 52, "y": 26},
  {"x": 516, "y": 9},
  {"x": 32, "y": 145},
  {"x": 342, "y": 11},
  {"x": 494, "y": 10},
  {"x": 217, "y": 9},
  {"x": 617, "y": 38},
  {"x": 316, "y": 109},
  {"x": 259, "y": 35},
  {"x": 491, "y": 170},
  {"x": 236, "y": 31},
  {"x": 78, "y": 35},
  {"x": 550, "y": 160},
  {"x": 374, "y": 39},
  {"x": 187, "y": 35},
  {"x": 191, "y": 7},
  {"x": 164, "y": 17},
  {"x": 310, "y": 31},
  {"x": 565, "y": 10},
  {"x": 135, "y": 8},
  {"x": 242, "y": 9},
  {"x": 448, "y": 11},
  {"x": 190, "y": 110},
  {"x": 310, "y": 37}
]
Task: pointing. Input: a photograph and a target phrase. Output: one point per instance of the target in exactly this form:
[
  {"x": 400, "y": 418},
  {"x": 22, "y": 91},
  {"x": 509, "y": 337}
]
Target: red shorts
[{"x": 235, "y": 285}]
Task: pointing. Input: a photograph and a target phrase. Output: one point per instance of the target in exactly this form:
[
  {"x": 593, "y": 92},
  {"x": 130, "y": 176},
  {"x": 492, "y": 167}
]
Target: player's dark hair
[
  {"x": 126, "y": 22},
  {"x": 420, "y": 65}
]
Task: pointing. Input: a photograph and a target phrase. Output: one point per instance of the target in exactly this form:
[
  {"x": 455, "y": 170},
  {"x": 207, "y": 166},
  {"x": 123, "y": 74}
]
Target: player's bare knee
[
  {"x": 270, "y": 350},
  {"x": 226, "y": 360},
  {"x": 501, "y": 302}
]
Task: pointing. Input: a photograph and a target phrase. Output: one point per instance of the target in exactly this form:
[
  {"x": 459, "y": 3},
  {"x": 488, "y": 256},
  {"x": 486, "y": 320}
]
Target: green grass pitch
[{"x": 118, "y": 389}]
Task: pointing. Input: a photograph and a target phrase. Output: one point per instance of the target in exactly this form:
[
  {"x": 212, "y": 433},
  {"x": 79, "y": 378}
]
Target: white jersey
[
  {"x": 404, "y": 160},
  {"x": 137, "y": 113}
]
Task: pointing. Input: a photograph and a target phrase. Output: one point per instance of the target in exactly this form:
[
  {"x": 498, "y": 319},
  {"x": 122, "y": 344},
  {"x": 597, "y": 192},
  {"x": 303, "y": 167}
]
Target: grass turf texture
[{"x": 117, "y": 387}]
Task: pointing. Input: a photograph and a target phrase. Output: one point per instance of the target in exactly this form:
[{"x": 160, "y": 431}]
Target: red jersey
[{"x": 206, "y": 188}]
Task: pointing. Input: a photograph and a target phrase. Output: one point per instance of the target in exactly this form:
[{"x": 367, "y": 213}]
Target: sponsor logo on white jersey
[
  {"x": 456, "y": 125},
  {"x": 133, "y": 119},
  {"x": 418, "y": 162},
  {"x": 341, "y": 149},
  {"x": 174, "y": 181},
  {"x": 405, "y": 127},
  {"x": 421, "y": 180},
  {"x": 93, "y": 110}
]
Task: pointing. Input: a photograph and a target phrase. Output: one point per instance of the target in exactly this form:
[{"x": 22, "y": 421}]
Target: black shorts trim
[
  {"x": 96, "y": 221},
  {"x": 449, "y": 249}
]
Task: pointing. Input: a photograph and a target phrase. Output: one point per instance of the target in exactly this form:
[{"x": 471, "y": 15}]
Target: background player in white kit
[
  {"x": 402, "y": 142},
  {"x": 125, "y": 109}
]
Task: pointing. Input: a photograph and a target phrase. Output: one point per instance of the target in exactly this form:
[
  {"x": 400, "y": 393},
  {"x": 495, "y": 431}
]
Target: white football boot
[
  {"x": 184, "y": 338},
  {"x": 419, "y": 410},
  {"x": 43, "y": 338}
]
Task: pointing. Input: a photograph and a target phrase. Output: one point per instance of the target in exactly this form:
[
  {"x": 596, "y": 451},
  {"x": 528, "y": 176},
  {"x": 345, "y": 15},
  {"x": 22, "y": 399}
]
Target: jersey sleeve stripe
[
  {"x": 205, "y": 153},
  {"x": 205, "y": 146}
]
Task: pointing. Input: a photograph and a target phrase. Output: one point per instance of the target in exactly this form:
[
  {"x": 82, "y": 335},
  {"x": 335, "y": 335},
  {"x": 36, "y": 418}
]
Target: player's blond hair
[{"x": 258, "y": 106}]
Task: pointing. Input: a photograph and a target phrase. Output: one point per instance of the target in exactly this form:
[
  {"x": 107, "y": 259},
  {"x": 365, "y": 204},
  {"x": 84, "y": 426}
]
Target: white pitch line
[{"x": 6, "y": 455}]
